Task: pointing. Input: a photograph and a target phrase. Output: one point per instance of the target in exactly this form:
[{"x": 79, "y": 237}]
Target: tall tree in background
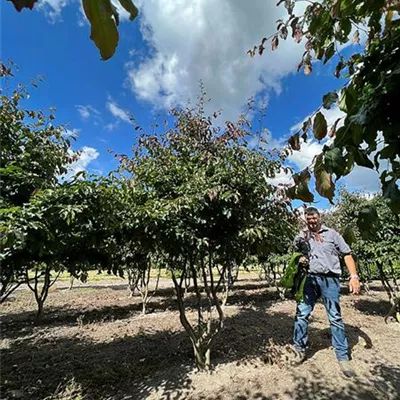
[{"x": 373, "y": 231}]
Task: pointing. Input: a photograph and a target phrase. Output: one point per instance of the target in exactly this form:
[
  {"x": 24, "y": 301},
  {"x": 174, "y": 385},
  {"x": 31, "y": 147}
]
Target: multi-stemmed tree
[{"x": 205, "y": 201}]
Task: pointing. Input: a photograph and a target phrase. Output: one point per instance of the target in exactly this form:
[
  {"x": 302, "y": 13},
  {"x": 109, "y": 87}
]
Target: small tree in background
[{"x": 373, "y": 231}]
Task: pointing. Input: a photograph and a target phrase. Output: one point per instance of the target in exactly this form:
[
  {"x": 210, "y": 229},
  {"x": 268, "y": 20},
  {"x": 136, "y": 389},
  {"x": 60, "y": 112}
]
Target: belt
[{"x": 327, "y": 275}]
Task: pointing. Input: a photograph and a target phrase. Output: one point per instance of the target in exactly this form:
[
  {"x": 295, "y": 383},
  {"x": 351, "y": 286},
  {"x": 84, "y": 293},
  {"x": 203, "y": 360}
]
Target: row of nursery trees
[{"x": 193, "y": 198}]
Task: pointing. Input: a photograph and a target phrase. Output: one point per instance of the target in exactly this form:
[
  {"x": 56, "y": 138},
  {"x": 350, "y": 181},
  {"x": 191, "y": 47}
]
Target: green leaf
[
  {"x": 349, "y": 163},
  {"x": 335, "y": 162},
  {"x": 300, "y": 190},
  {"x": 275, "y": 42},
  {"x": 320, "y": 52},
  {"x": 320, "y": 126},
  {"x": 391, "y": 191},
  {"x": 340, "y": 65},
  {"x": 368, "y": 222},
  {"x": 361, "y": 158},
  {"x": 329, "y": 53},
  {"x": 347, "y": 100},
  {"x": 294, "y": 141},
  {"x": 323, "y": 180},
  {"x": 303, "y": 193},
  {"x": 345, "y": 25},
  {"x": 303, "y": 176},
  {"x": 356, "y": 133},
  {"x": 335, "y": 9},
  {"x": 332, "y": 131},
  {"x": 389, "y": 151},
  {"x": 329, "y": 99},
  {"x": 130, "y": 7},
  {"x": 341, "y": 136},
  {"x": 104, "y": 30},
  {"x": 349, "y": 236}
]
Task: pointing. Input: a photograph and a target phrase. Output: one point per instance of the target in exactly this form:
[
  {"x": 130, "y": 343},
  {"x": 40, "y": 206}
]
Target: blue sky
[{"x": 160, "y": 58}]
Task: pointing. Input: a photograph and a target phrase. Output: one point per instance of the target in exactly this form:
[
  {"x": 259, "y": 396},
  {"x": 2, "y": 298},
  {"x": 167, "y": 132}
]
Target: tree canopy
[{"x": 369, "y": 132}]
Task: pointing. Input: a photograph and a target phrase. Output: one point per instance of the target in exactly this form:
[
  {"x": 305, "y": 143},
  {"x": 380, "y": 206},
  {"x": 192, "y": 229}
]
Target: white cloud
[
  {"x": 123, "y": 15},
  {"x": 73, "y": 133},
  {"x": 87, "y": 112},
  {"x": 208, "y": 40},
  {"x": 364, "y": 179},
  {"x": 111, "y": 126},
  {"x": 53, "y": 8},
  {"x": 116, "y": 111},
  {"x": 304, "y": 158},
  {"x": 86, "y": 156},
  {"x": 281, "y": 178}
]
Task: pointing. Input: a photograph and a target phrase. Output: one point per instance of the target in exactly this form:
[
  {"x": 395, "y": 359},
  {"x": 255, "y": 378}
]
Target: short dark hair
[{"x": 311, "y": 210}]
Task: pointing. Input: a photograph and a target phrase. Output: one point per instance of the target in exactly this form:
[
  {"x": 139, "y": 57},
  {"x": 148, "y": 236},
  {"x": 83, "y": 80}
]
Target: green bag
[{"x": 295, "y": 277}]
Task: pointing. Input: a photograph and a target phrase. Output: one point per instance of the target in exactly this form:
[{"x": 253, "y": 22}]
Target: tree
[
  {"x": 103, "y": 18},
  {"x": 139, "y": 277},
  {"x": 34, "y": 153},
  {"x": 204, "y": 200},
  {"x": 368, "y": 97},
  {"x": 373, "y": 231}
]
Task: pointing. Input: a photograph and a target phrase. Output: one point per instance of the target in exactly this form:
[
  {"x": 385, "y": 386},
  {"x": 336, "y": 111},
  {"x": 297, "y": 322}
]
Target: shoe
[
  {"x": 347, "y": 369},
  {"x": 299, "y": 357}
]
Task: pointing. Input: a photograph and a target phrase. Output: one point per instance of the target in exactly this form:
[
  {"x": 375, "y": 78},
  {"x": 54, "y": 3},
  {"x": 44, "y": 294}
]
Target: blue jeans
[{"x": 329, "y": 289}]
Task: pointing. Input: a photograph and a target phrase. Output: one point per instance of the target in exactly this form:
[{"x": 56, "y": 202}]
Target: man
[{"x": 323, "y": 248}]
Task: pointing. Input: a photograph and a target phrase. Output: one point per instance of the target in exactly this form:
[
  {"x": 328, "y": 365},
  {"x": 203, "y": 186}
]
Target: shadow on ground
[
  {"x": 373, "y": 307},
  {"x": 130, "y": 366},
  {"x": 133, "y": 367},
  {"x": 383, "y": 385},
  {"x": 55, "y": 315}
]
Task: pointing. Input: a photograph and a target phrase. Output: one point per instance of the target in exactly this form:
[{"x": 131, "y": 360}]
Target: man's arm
[
  {"x": 354, "y": 284},
  {"x": 345, "y": 251}
]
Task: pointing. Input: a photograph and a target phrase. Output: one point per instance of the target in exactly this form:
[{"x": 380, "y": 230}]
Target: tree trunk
[
  {"x": 7, "y": 290},
  {"x": 199, "y": 358},
  {"x": 40, "y": 312},
  {"x": 144, "y": 304},
  {"x": 202, "y": 357},
  {"x": 393, "y": 296}
]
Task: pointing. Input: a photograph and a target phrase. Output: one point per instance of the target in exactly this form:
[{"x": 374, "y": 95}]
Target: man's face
[{"x": 313, "y": 222}]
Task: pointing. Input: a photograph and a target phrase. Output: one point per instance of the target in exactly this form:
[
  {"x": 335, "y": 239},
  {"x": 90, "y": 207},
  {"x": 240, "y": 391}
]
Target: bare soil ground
[{"x": 95, "y": 344}]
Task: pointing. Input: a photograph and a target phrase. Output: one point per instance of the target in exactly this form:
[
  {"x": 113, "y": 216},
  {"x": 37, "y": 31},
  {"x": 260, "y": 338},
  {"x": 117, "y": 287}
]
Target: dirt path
[{"x": 95, "y": 344}]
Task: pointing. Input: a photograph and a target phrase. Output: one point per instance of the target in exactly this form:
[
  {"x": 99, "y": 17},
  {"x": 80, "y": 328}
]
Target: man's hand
[
  {"x": 354, "y": 285},
  {"x": 303, "y": 261}
]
